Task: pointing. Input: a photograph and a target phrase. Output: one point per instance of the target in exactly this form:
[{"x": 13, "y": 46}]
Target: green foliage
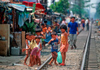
[
  {"x": 97, "y": 14},
  {"x": 29, "y": 27},
  {"x": 79, "y": 9},
  {"x": 60, "y": 7}
]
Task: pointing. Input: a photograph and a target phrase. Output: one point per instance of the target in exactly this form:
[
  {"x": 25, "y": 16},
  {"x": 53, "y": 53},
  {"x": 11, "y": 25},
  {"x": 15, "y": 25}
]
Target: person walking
[
  {"x": 72, "y": 32},
  {"x": 83, "y": 23},
  {"x": 63, "y": 22},
  {"x": 87, "y": 24}
]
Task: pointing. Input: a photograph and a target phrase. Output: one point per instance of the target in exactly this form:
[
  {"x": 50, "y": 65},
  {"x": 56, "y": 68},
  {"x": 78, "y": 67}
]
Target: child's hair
[
  {"x": 64, "y": 19},
  {"x": 53, "y": 33},
  {"x": 42, "y": 24},
  {"x": 72, "y": 17},
  {"x": 38, "y": 30},
  {"x": 45, "y": 21},
  {"x": 55, "y": 21},
  {"x": 37, "y": 37},
  {"x": 63, "y": 27},
  {"x": 49, "y": 26}
]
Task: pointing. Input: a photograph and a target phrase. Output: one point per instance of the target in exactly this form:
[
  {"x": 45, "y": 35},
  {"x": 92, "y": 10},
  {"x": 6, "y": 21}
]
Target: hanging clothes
[{"x": 21, "y": 19}]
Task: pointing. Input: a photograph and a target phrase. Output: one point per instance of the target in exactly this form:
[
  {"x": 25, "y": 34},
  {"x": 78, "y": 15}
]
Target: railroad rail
[{"x": 84, "y": 64}]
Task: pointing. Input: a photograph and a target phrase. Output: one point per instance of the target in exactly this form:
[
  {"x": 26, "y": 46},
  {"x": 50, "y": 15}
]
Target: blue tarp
[{"x": 18, "y": 6}]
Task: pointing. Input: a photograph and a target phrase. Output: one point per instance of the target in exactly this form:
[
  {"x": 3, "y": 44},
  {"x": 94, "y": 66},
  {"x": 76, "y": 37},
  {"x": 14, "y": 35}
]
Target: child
[
  {"x": 27, "y": 48},
  {"x": 39, "y": 52},
  {"x": 34, "y": 48},
  {"x": 83, "y": 23},
  {"x": 54, "y": 47},
  {"x": 48, "y": 35},
  {"x": 40, "y": 34},
  {"x": 44, "y": 28},
  {"x": 64, "y": 43},
  {"x": 56, "y": 29}
]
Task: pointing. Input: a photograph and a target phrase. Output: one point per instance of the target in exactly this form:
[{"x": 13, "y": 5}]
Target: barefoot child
[
  {"x": 64, "y": 43},
  {"x": 39, "y": 52},
  {"x": 27, "y": 48},
  {"x": 48, "y": 35},
  {"x": 34, "y": 48},
  {"x": 54, "y": 47}
]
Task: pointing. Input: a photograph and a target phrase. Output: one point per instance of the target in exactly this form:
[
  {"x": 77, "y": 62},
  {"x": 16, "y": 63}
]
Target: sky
[
  {"x": 93, "y": 10},
  {"x": 49, "y": 2}
]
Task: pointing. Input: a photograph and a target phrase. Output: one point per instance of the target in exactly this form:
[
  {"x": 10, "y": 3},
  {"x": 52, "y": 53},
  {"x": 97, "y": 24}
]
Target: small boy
[{"x": 54, "y": 48}]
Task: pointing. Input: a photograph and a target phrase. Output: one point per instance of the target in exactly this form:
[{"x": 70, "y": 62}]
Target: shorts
[
  {"x": 54, "y": 50},
  {"x": 54, "y": 54},
  {"x": 34, "y": 51},
  {"x": 83, "y": 25}
]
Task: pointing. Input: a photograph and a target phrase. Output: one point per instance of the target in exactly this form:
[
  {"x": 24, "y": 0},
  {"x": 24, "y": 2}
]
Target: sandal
[{"x": 62, "y": 64}]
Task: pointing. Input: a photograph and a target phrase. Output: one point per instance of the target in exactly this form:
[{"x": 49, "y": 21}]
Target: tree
[
  {"x": 61, "y": 6},
  {"x": 79, "y": 8},
  {"x": 29, "y": 27},
  {"x": 97, "y": 14}
]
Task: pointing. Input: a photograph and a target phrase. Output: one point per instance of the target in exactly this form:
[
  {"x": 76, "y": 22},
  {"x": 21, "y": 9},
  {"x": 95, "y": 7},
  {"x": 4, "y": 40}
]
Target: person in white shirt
[
  {"x": 63, "y": 22},
  {"x": 87, "y": 24}
]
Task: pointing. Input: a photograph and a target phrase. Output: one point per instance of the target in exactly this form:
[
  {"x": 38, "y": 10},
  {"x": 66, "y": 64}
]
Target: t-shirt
[
  {"x": 54, "y": 46},
  {"x": 86, "y": 22},
  {"x": 73, "y": 27},
  {"x": 48, "y": 37}
]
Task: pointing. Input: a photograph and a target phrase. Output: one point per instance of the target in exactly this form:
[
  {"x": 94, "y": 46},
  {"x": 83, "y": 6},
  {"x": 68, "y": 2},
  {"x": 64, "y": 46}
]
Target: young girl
[
  {"x": 64, "y": 43},
  {"x": 54, "y": 47},
  {"x": 27, "y": 48},
  {"x": 39, "y": 52},
  {"x": 40, "y": 34},
  {"x": 34, "y": 48}
]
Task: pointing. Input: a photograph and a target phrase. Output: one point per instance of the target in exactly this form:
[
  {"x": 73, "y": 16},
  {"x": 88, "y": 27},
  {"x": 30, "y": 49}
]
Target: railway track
[
  {"x": 45, "y": 64},
  {"x": 45, "y": 58},
  {"x": 87, "y": 52}
]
